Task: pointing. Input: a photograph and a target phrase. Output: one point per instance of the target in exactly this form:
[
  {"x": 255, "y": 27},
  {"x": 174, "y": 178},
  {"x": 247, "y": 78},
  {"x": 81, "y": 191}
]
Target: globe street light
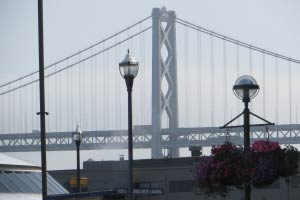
[
  {"x": 77, "y": 138},
  {"x": 246, "y": 88},
  {"x": 129, "y": 68}
]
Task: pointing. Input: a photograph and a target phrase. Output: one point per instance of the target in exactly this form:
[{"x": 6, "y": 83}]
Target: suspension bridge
[{"x": 181, "y": 96}]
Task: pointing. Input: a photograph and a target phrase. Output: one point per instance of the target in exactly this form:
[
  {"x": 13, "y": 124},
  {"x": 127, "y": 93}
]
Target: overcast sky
[{"x": 71, "y": 25}]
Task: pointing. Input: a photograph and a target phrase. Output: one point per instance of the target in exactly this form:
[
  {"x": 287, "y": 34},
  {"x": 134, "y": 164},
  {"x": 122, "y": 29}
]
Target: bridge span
[{"x": 117, "y": 139}]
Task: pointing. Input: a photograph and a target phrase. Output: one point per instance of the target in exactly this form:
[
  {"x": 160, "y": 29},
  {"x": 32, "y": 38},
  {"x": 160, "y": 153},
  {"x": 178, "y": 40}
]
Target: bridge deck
[{"x": 117, "y": 139}]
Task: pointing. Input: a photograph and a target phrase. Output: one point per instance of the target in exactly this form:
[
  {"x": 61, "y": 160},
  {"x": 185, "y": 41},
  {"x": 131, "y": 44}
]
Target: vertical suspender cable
[
  {"x": 14, "y": 112},
  {"x": 95, "y": 92},
  {"x": 68, "y": 97},
  {"x": 37, "y": 106},
  {"x": 296, "y": 113},
  {"x": 143, "y": 88},
  {"x": 264, "y": 84},
  {"x": 250, "y": 69},
  {"x": 2, "y": 113},
  {"x": 238, "y": 74},
  {"x": 277, "y": 91},
  {"x": 56, "y": 102},
  {"x": 186, "y": 72},
  {"x": 237, "y": 60},
  {"x": 103, "y": 90},
  {"x": 199, "y": 54},
  {"x": 117, "y": 98},
  {"x": 73, "y": 92},
  {"x": 250, "y": 62},
  {"x": 9, "y": 112},
  {"x": 188, "y": 76},
  {"x": 106, "y": 66},
  {"x": 290, "y": 93},
  {"x": 92, "y": 82},
  {"x": 60, "y": 101},
  {"x": 225, "y": 80},
  {"x": 145, "y": 79},
  {"x": 212, "y": 80},
  {"x": 21, "y": 108},
  {"x": 32, "y": 104},
  {"x": 48, "y": 96},
  {"x": 79, "y": 90},
  {"x": 25, "y": 109},
  {"x": 128, "y": 42},
  {"x": 83, "y": 95},
  {"x": 143, "y": 85}
]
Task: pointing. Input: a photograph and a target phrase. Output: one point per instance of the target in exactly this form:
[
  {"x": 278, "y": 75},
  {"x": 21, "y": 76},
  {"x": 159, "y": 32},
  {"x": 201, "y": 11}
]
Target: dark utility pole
[
  {"x": 246, "y": 100},
  {"x": 129, "y": 84},
  {"x": 78, "y": 164},
  {"x": 42, "y": 99}
]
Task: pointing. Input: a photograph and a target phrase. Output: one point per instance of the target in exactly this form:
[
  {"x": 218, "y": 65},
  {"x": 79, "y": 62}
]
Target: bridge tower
[{"x": 164, "y": 67}]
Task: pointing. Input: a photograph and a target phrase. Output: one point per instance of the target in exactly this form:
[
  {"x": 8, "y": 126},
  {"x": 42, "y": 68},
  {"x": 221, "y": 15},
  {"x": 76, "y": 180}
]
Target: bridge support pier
[{"x": 164, "y": 68}]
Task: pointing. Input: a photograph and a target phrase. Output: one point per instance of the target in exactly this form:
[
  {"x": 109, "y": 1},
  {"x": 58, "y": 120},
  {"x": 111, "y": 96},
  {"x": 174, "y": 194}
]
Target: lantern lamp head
[{"x": 129, "y": 67}]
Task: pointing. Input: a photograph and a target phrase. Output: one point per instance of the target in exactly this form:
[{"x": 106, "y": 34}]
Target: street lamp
[
  {"x": 246, "y": 88},
  {"x": 77, "y": 138},
  {"x": 129, "y": 68}
]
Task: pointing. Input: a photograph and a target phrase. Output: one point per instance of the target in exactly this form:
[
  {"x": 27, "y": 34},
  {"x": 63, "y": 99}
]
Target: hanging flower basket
[
  {"x": 229, "y": 166},
  {"x": 290, "y": 161},
  {"x": 226, "y": 167},
  {"x": 267, "y": 157}
]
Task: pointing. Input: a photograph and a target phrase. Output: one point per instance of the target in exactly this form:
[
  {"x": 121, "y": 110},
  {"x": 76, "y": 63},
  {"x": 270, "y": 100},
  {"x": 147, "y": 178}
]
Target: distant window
[
  {"x": 147, "y": 185},
  {"x": 143, "y": 185},
  {"x": 274, "y": 185},
  {"x": 181, "y": 186},
  {"x": 27, "y": 182},
  {"x": 295, "y": 181}
]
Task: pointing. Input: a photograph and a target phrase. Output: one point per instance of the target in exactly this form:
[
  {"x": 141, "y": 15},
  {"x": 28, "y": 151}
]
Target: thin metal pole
[
  {"x": 42, "y": 99},
  {"x": 247, "y": 187},
  {"x": 129, "y": 83},
  {"x": 78, "y": 165}
]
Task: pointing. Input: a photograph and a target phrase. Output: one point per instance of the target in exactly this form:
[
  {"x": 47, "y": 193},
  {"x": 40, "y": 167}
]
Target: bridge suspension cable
[
  {"x": 231, "y": 40},
  {"x": 78, "y": 62},
  {"x": 79, "y": 52}
]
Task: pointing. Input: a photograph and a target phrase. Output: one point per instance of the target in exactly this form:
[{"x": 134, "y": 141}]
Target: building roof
[
  {"x": 22, "y": 180},
  {"x": 9, "y": 162}
]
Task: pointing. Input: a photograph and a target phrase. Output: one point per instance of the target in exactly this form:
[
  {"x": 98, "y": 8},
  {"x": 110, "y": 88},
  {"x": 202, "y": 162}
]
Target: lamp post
[
  {"x": 246, "y": 88},
  {"x": 77, "y": 138},
  {"x": 129, "y": 68}
]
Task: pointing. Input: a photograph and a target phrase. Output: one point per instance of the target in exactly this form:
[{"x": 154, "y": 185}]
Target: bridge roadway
[{"x": 117, "y": 139}]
